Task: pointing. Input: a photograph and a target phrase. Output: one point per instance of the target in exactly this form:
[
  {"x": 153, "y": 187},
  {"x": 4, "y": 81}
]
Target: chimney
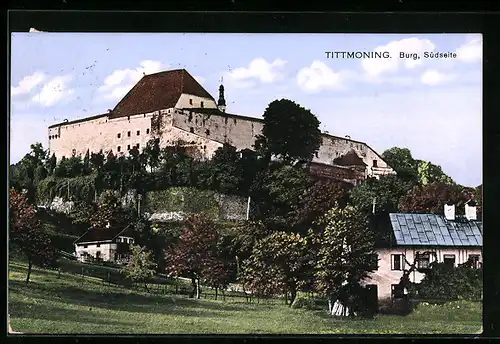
[
  {"x": 470, "y": 210},
  {"x": 449, "y": 211}
]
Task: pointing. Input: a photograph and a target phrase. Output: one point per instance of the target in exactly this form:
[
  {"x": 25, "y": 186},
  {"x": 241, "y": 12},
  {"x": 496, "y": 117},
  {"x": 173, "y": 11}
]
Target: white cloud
[
  {"x": 318, "y": 77},
  {"x": 28, "y": 83},
  {"x": 377, "y": 66},
  {"x": 54, "y": 91},
  {"x": 433, "y": 77},
  {"x": 120, "y": 81},
  {"x": 258, "y": 69},
  {"x": 471, "y": 51}
]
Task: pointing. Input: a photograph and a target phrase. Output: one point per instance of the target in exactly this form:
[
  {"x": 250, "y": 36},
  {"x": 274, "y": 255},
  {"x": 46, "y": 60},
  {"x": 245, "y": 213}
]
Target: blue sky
[{"x": 431, "y": 106}]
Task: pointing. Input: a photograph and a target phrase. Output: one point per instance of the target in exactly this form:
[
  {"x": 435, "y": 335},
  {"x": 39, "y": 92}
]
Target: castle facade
[{"x": 174, "y": 107}]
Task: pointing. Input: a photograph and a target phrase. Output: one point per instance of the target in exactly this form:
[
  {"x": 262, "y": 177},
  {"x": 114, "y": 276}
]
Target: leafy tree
[
  {"x": 109, "y": 210},
  {"x": 345, "y": 257},
  {"x": 315, "y": 202},
  {"x": 26, "y": 234},
  {"x": 152, "y": 153},
  {"x": 141, "y": 266},
  {"x": 226, "y": 170},
  {"x": 51, "y": 164},
  {"x": 290, "y": 132},
  {"x": 195, "y": 252},
  {"x": 278, "y": 265},
  {"x": 97, "y": 161},
  {"x": 86, "y": 163},
  {"x": 276, "y": 191},
  {"x": 431, "y": 198},
  {"x": 386, "y": 191},
  {"x": 401, "y": 161},
  {"x": 429, "y": 173},
  {"x": 83, "y": 213},
  {"x": 74, "y": 166},
  {"x": 61, "y": 170}
]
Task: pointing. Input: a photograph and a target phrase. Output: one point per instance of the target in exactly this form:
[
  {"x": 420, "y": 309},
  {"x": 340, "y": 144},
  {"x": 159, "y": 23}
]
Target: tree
[
  {"x": 429, "y": 173},
  {"x": 152, "y": 153},
  {"x": 51, "y": 164},
  {"x": 386, "y": 191},
  {"x": 26, "y": 234},
  {"x": 431, "y": 198},
  {"x": 109, "y": 210},
  {"x": 276, "y": 191},
  {"x": 226, "y": 170},
  {"x": 195, "y": 252},
  {"x": 345, "y": 257},
  {"x": 315, "y": 202},
  {"x": 290, "y": 132},
  {"x": 141, "y": 266},
  {"x": 278, "y": 265},
  {"x": 401, "y": 161},
  {"x": 97, "y": 161}
]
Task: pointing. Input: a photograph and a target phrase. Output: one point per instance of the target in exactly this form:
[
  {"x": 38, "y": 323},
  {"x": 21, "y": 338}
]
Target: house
[
  {"x": 111, "y": 244},
  {"x": 424, "y": 239}
]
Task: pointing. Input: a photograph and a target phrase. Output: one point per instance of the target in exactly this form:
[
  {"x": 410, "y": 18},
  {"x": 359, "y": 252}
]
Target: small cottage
[
  {"x": 110, "y": 244},
  {"x": 426, "y": 238}
]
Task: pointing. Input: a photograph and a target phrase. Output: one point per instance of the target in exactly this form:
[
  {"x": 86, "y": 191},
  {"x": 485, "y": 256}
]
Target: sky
[{"x": 433, "y": 106}]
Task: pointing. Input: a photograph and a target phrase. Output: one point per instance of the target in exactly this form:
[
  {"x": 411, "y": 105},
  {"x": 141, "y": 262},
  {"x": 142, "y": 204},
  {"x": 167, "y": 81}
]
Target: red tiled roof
[{"x": 158, "y": 91}]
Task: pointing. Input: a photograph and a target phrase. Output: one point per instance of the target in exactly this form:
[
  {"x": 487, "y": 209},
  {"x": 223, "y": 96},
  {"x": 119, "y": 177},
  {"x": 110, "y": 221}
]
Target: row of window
[
  {"x": 51, "y": 137},
  {"x": 125, "y": 240},
  {"x": 119, "y": 148},
  {"x": 129, "y": 133},
  {"x": 398, "y": 262}
]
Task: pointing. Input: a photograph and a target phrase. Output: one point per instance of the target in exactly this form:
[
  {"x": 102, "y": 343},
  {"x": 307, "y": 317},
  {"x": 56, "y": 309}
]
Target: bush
[
  {"x": 304, "y": 303},
  {"x": 451, "y": 283}
]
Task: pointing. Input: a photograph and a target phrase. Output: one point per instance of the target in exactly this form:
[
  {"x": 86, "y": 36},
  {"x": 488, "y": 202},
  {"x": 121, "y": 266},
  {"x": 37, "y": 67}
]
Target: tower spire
[{"x": 221, "y": 103}]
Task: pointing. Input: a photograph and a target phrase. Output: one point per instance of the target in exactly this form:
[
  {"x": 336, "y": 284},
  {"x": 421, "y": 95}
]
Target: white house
[
  {"x": 445, "y": 238},
  {"x": 104, "y": 244}
]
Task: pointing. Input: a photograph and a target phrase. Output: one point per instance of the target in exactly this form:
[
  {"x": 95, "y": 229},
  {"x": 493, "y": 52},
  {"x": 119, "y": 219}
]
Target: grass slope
[{"x": 72, "y": 304}]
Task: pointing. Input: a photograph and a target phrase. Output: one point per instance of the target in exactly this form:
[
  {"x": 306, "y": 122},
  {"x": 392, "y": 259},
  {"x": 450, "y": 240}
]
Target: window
[
  {"x": 119, "y": 148},
  {"x": 147, "y": 131},
  {"x": 138, "y": 146},
  {"x": 73, "y": 152},
  {"x": 396, "y": 262},
  {"x": 423, "y": 262},
  {"x": 128, "y": 134},
  {"x": 85, "y": 246},
  {"x": 119, "y": 135},
  {"x": 98, "y": 245},
  {"x": 50, "y": 137},
  {"x": 474, "y": 259},
  {"x": 98, "y": 255},
  {"x": 201, "y": 104},
  {"x": 191, "y": 130},
  {"x": 449, "y": 259},
  {"x": 190, "y": 101},
  {"x": 118, "y": 239},
  {"x": 374, "y": 163},
  {"x": 131, "y": 241},
  {"x": 128, "y": 147},
  {"x": 207, "y": 131},
  {"x": 138, "y": 132}
]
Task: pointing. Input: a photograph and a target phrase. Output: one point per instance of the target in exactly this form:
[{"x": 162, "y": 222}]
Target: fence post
[{"x": 82, "y": 273}]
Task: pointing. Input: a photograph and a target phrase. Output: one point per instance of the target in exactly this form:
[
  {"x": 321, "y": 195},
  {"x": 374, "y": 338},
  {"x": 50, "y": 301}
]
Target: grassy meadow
[{"x": 71, "y": 304}]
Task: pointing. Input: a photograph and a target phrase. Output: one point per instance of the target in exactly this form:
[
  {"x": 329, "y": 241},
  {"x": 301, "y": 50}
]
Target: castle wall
[
  {"x": 233, "y": 130},
  {"x": 204, "y": 132}
]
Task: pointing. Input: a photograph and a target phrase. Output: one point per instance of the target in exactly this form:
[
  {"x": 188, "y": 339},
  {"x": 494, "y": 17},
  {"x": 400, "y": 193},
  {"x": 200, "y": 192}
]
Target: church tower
[{"x": 221, "y": 103}]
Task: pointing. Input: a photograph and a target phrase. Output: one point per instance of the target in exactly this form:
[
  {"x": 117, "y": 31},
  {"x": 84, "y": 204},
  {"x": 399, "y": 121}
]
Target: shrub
[{"x": 304, "y": 303}]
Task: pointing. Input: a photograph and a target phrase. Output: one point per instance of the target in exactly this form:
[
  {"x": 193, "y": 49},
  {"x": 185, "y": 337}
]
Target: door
[{"x": 371, "y": 293}]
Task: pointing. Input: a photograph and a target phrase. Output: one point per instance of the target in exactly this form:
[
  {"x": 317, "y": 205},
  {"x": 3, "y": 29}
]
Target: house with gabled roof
[
  {"x": 110, "y": 244},
  {"x": 424, "y": 239}
]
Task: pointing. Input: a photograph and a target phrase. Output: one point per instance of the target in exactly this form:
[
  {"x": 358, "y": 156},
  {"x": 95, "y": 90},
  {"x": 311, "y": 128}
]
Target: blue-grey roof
[{"x": 435, "y": 230}]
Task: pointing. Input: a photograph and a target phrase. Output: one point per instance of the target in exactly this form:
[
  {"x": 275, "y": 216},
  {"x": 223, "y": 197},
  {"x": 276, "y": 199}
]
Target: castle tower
[{"x": 221, "y": 103}]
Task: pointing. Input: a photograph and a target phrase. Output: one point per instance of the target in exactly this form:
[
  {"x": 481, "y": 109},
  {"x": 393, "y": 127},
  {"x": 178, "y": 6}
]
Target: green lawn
[{"x": 70, "y": 304}]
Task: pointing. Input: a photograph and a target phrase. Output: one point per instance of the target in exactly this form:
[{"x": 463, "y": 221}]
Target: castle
[{"x": 175, "y": 108}]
